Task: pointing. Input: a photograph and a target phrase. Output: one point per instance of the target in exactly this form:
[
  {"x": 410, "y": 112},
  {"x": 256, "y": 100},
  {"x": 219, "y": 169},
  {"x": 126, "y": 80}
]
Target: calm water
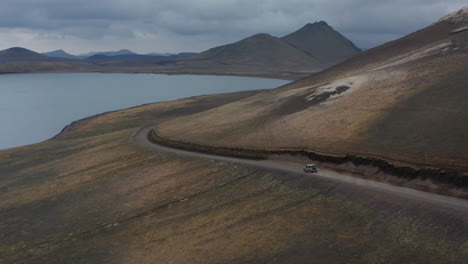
[{"x": 35, "y": 107}]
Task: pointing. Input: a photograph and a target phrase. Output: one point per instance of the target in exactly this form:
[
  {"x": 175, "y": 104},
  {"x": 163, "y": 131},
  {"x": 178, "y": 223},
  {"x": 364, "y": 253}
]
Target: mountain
[
  {"x": 322, "y": 42},
  {"x": 159, "y": 54},
  {"x": 310, "y": 49},
  {"x": 125, "y": 57},
  {"x": 183, "y": 54},
  {"x": 60, "y": 54},
  {"x": 401, "y": 106},
  {"x": 259, "y": 49},
  {"x": 18, "y": 54},
  {"x": 172, "y": 54},
  {"x": 107, "y": 53},
  {"x": 21, "y": 60},
  {"x": 136, "y": 57}
]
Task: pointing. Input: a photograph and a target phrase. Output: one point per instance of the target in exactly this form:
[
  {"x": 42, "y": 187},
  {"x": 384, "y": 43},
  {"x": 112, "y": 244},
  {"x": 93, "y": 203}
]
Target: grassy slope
[
  {"x": 93, "y": 196},
  {"x": 405, "y": 100}
]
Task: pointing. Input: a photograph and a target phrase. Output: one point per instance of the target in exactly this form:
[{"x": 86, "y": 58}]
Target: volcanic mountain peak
[
  {"x": 458, "y": 17},
  {"x": 261, "y": 35},
  {"x": 320, "y": 24},
  {"x": 321, "y": 41}
]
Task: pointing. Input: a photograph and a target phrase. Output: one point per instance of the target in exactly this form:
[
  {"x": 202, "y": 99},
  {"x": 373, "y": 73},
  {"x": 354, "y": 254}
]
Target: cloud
[{"x": 195, "y": 25}]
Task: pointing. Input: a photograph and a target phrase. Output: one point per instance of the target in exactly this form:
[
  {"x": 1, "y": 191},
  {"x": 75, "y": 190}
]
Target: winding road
[{"x": 450, "y": 213}]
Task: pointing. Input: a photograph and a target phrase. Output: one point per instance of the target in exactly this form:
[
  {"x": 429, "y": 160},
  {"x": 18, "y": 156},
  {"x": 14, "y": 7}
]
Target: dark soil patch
[{"x": 320, "y": 98}]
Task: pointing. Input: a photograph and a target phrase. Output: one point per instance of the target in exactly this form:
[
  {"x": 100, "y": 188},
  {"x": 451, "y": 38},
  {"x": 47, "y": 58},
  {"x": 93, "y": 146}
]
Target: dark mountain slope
[
  {"x": 60, "y": 54},
  {"x": 107, "y": 53},
  {"x": 126, "y": 57},
  {"x": 322, "y": 42},
  {"x": 17, "y": 54},
  {"x": 260, "y": 49}
]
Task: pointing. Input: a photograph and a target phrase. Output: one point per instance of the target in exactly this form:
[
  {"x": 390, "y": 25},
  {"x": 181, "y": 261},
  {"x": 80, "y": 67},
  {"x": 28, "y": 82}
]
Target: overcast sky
[{"x": 79, "y": 26}]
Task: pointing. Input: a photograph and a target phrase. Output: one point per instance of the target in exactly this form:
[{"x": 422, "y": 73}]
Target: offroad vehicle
[{"x": 310, "y": 168}]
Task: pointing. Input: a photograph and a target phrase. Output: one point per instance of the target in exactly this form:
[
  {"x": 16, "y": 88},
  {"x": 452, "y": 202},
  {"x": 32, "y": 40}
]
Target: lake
[{"x": 35, "y": 107}]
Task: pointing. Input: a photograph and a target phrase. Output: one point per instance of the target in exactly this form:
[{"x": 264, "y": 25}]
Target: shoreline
[
  {"x": 77, "y": 123},
  {"x": 62, "y": 128},
  {"x": 68, "y": 199},
  {"x": 289, "y": 77},
  {"x": 344, "y": 162}
]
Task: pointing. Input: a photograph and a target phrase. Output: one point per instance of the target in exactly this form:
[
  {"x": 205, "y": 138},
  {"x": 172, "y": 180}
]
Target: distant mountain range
[
  {"x": 312, "y": 48},
  {"x": 108, "y": 53},
  {"x": 135, "y": 57},
  {"x": 123, "y": 54}
]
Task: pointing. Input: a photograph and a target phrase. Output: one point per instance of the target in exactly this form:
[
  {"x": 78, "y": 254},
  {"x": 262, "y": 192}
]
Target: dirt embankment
[{"x": 442, "y": 181}]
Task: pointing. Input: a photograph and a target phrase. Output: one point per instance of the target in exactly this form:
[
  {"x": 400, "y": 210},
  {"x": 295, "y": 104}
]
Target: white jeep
[{"x": 310, "y": 168}]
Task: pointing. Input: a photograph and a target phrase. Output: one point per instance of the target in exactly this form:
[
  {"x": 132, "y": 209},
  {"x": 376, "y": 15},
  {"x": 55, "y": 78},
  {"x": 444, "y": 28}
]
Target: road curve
[{"x": 457, "y": 204}]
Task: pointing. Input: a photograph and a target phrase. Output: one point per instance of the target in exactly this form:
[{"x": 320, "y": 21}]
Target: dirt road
[{"x": 447, "y": 212}]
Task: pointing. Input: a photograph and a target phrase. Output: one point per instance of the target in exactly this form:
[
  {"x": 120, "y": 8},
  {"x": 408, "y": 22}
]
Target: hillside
[
  {"x": 21, "y": 60},
  {"x": 310, "y": 49},
  {"x": 323, "y": 43},
  {"x": 107, "y": 53},
  {"x": 401, "y": 105},
  {"x": 94, "y": 195},
  {"x": 259, "y": 49},
  {"x": 17, "y": 54},
  {"x": 60, "y": 54},
  {"x": 100, "y": 192},
  {"x": 126, "y": 57}
]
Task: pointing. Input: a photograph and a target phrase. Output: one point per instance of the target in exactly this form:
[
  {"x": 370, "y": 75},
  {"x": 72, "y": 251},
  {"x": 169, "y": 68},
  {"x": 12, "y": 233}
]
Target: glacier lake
[{"x": 36, "y": 107}]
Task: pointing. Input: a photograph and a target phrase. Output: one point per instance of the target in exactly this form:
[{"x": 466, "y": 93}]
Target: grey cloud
[{"x": 178, "y": 24}]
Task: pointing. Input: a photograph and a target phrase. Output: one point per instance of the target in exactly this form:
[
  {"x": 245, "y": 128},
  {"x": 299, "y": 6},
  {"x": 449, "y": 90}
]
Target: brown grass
[{"x": 93, "y": 196}]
